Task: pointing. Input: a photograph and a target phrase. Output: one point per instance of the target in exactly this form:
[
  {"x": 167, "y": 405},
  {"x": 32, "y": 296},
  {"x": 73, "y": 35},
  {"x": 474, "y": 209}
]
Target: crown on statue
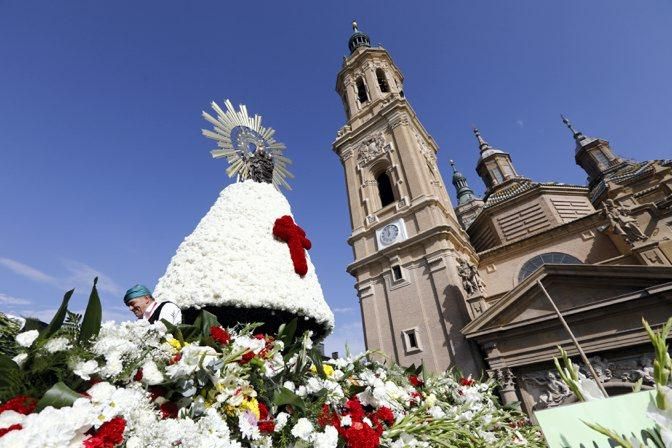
[{"x": 249, "y": 147}]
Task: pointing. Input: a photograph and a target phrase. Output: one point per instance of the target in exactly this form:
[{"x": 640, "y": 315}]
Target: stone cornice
[
  {"x": 446, "y": 230},
  {"x": 417, "y": 204}
]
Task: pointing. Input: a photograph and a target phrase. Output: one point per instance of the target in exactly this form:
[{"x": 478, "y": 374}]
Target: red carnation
[
  {"x": 356, "y": 409},
  {"x": 168, "y": 410},
  {"x": 156, "y": 392},
  {"x": 326, "y": 417},
  {"x": 386, "y": 415},
  {"x": 265, "y": 424},
  {"x": 247, "y": 357},
  {"x": 15, "y": 427},
  {"x": 416, "y": 381},
  {"x": 467, "y": 381},
  {"x": 175, "y": 359},
  {"x": 109, "y": 435},
  {"x": 22, "y": 404},
  {"x": 220, "y": 335},
  {"x": 361, "y": 435},
  {"x": 138, "y": 375}
]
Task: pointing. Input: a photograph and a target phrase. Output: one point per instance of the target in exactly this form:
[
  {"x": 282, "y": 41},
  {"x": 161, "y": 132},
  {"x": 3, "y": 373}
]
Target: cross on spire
[
  {"x": 565, "y": 120},
  {"x": 286, "y": 230}
]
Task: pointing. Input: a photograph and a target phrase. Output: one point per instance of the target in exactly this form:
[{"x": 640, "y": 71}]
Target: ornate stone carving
[
  {"x": 371, "y": 148},
  {"x": 621, "y": 223},
  {"x": 398, "y": 120},
  {"x": 555, "y": 392},
  {"x": 344, "y": 130},
  {"x": 504, "y": 377},
  {"x": 551, "y": 391},
  {"x": 471, "y": 279},
  {"x": 426, "y": 151}
]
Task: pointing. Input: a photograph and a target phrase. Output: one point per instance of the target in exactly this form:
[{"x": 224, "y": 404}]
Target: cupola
[
  {"x": 494, "y": 165},
  {"x": 594, "y": 155},
  {"x": 358, "y": 39}
]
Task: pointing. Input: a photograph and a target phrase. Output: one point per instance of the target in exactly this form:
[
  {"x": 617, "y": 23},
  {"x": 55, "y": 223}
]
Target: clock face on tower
[{"x": 389, "y": 234}]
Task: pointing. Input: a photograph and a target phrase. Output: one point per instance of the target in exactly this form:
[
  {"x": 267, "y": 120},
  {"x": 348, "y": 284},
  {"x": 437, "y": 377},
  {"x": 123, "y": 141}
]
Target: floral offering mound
[
  {"x": 83, "y": 384},
  {"x": 239, "y": 265}
]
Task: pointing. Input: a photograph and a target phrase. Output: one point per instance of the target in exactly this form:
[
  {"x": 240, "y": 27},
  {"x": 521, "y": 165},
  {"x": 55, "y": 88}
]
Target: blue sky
[{"x": 103, "y": 170}]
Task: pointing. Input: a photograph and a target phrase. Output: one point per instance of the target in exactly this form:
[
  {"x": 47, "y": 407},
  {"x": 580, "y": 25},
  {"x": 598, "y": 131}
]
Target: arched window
[
  {"x": 535, "y": 263},
  {"x": 382, "y": 81},
  {"x": 361, "y": 91},
  {"x": 385, "y": 189}
]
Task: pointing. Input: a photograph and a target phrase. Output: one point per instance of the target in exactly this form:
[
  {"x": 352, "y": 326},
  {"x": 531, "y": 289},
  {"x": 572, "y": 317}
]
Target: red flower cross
[{"x": 295, "y": 237}]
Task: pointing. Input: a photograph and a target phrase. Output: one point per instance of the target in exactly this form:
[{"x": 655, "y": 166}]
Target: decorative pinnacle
[
  {"x": 452, "y": 164},
  {"x": 354, "y": 26},
  {"x": 482, "y": 144}
]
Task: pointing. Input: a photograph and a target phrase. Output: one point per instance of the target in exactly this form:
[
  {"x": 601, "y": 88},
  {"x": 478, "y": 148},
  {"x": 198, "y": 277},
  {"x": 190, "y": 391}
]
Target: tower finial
[
  {"x": 569, "y": 125},
  {"x": 482, "y": 144},
  {"x": 452, "y": 164},
  {"x": 354, "y": 26}
]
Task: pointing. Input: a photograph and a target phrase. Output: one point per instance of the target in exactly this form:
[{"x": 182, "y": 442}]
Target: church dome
[
  {"x": 358, "y": 39},
  {"x": 490, "y": 151}
]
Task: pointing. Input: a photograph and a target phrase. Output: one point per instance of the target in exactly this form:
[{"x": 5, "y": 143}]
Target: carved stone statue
[
  {"x": 471, "y": 279},
  {"x": 621, "y": 223}
]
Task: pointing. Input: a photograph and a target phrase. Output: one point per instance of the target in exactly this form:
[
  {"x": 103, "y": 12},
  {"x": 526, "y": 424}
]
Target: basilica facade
[{"x": 467, "y": 284}]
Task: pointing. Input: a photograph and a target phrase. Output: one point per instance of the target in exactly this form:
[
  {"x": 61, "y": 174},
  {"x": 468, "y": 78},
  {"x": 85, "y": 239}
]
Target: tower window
[
  {"x": 396, "y": 273},
  {"x": 385, "y": 189},
  {"x": 362, "y": 96},
  {"x": 411, "y": 340},
  {"x": 602, "y": 159},
  {"x": 497, "y": 175},
  {"x": 382, "y": 81}
]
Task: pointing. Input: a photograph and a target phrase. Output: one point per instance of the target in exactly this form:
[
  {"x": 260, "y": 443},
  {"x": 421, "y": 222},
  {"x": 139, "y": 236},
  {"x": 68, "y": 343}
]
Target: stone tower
[{"x": 414, "y": 266}]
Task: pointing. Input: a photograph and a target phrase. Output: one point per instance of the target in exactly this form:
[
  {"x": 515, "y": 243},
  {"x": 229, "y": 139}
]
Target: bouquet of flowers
[{"x": 92, "y": 384}]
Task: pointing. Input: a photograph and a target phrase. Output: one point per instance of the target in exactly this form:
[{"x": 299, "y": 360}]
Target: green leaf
[
  {"x": 33, "y": 324},
  {"x": 175, "y": 330},
  {"x": 284, "y": 396},
  {"x": 59, "y": 396},
  {"x": 316, "y": 358},
  {"x": 93, "y": 316},
  {"x": 287, "y": 332},
  {"x": 58, "y": 318},
  {"x": 10, "y": 377},
  {"x": 203, "y": 322}
]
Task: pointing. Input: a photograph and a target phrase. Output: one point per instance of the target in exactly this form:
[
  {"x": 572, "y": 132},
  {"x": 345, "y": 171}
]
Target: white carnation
[
  {"x": 27, "y": 338},
  {"x": 326, "y": 439},
  {"x": 151, "y": 374},
  {"x": 281, "y": 421},
  {"x": 55, "y": 345},
  {"x": 303, "y": 429},
  {"x": 84, "y": 369}
]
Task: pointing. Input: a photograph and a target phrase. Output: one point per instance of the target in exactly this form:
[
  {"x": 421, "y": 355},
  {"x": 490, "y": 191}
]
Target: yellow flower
[
  {"x": 252, "y": 405},
  {"x": 328, "y": 370},
  {"x": 176, "y": 344}
]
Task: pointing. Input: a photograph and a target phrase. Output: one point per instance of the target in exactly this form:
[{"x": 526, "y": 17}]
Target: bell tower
[{"x": 407, "y": 242}]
